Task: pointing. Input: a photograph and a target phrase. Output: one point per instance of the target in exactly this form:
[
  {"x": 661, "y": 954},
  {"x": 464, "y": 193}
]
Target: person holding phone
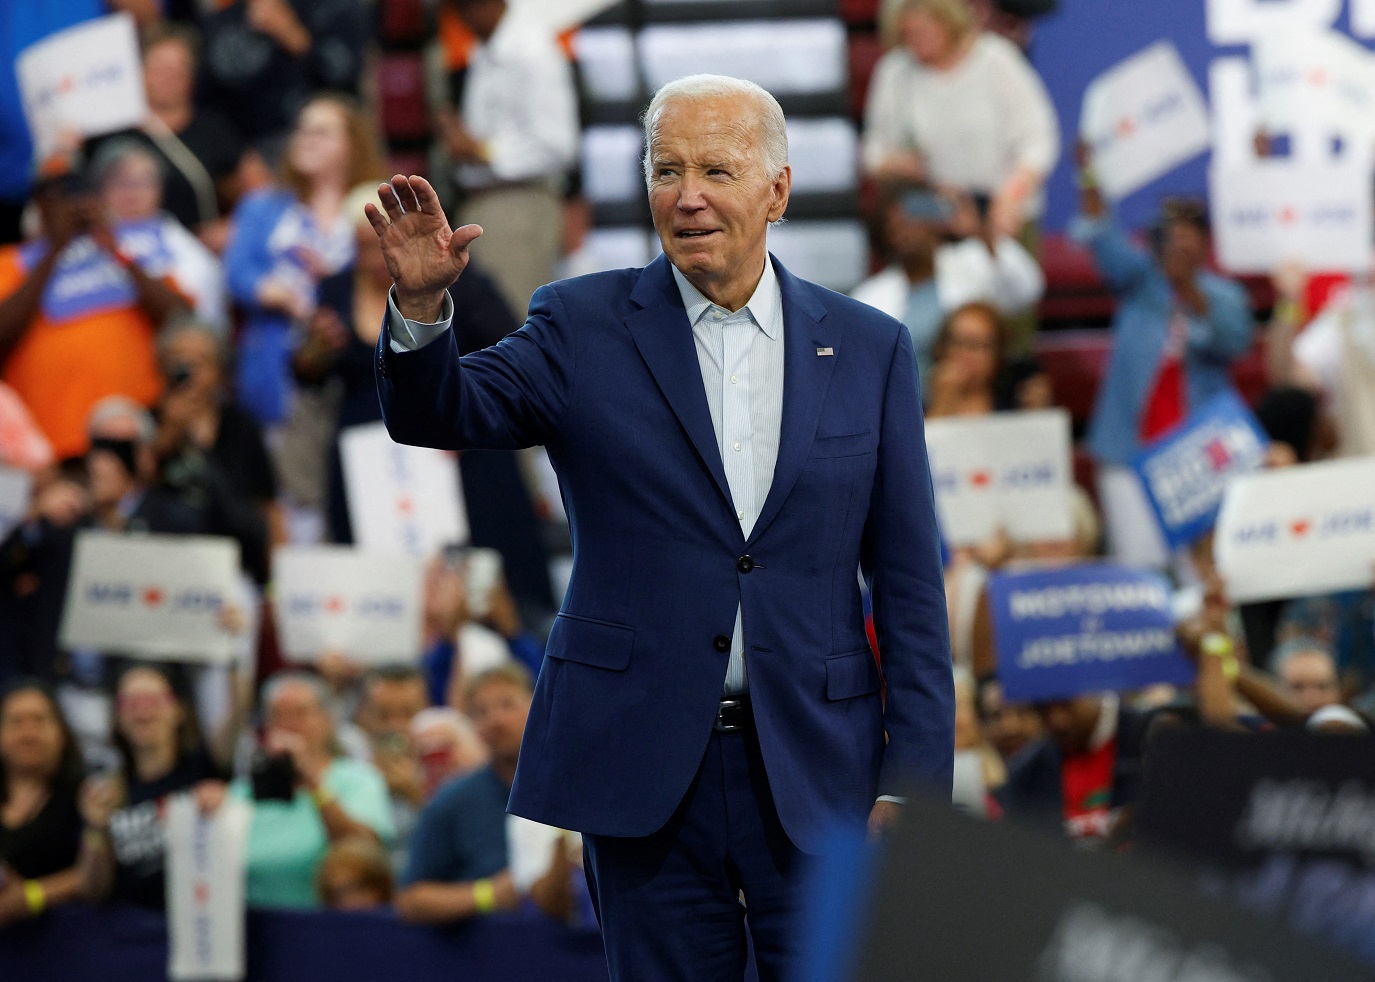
[
  {"x": 942, "y": 253},
  {"x": 308, "y": 794}
]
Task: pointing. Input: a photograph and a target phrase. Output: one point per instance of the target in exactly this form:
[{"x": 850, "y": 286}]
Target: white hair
[
  {"x": 122, "y": 407},
  {"x": 773, "y": 148}
]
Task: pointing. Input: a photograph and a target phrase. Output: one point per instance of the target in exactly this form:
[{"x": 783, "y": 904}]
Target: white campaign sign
[
  {"x": 1268, "y": 212},
  {"x": 205, "y": 890},
  {"x": 405, "y": 499},
  {"x": 1142, "y": 118},
  {"x": 1008, "y": 470},
  {"x": 1315, "y": 78},
  {"x": 363, "y": 604},
  {"x": 85, "y": 80},
  {"x": 157, "y": 596},
  {"x": 15, "y": 486},
  {"x": 1299, "y": 531}
]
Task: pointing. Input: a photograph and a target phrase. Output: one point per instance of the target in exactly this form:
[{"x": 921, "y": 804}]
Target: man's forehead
[{"x": 689, "y": 124}]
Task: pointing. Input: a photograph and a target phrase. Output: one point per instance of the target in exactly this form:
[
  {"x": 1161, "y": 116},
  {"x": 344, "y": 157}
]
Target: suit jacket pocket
[
  {"x": 846, "y": 445},
  {"x": 586, "y": 641},
  {"x": 851, "y": 675}
]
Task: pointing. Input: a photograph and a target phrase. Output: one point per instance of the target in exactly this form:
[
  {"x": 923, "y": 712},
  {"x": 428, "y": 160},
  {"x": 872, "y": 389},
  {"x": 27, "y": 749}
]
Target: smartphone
[
  {"x": 484, "y": 570},
  {"x": 927, "y": 206}
]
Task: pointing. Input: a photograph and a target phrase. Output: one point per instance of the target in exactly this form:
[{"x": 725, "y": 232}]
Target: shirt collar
[{"x": 762, "y": 304}]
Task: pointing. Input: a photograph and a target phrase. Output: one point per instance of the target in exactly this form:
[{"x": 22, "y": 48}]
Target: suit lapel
[
  {"x": 806, "y": 376},
  {"x": 663, "y": 336}
]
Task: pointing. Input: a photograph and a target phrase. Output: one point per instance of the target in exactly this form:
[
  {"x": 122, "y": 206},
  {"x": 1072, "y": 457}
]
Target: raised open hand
[{"x": 424, "y": 255}]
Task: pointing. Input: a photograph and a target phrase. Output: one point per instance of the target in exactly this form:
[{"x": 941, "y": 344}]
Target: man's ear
[{"x": 781, "y": 189}]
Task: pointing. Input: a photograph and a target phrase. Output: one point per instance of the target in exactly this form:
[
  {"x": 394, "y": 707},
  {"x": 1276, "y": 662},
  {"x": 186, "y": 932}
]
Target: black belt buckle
[{"x": 732, "y": 715}]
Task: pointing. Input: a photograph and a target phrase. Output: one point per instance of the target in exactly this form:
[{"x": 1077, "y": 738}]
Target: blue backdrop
[{"x": 1086, "y": 37}]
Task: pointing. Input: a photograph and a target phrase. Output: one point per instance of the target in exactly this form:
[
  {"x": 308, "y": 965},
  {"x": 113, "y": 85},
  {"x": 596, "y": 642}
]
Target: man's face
[
  {"x": 1312, "y": 678},
  {"x": 1070, "y": 722},
  {"x": 389, "y": 705},
  {"x": 168, "y": 74},
  {"x": 498, "y": 710},
  {"x": 709, "y": 193},
  {"x": 1008, "y": 726}
]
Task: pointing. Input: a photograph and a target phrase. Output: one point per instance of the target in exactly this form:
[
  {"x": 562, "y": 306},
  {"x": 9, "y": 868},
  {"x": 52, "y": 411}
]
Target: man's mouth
[{"x": 694, "y": 233}]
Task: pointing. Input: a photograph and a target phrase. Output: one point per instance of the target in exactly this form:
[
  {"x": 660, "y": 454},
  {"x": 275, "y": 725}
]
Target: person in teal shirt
[{"x": 334, "y": 798}]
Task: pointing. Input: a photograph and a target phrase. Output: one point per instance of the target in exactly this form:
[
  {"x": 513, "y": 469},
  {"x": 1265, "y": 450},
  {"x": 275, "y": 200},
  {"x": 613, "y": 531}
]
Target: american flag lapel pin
[{"x": 825, "y": 352}]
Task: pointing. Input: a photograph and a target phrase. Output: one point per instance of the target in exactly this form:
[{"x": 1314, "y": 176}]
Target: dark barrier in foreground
[{"x": 122, "y": 945}]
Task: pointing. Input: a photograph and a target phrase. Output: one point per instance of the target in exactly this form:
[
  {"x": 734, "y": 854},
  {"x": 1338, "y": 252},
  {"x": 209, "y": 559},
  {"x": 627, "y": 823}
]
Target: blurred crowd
[{"x": 188, "y": 316}]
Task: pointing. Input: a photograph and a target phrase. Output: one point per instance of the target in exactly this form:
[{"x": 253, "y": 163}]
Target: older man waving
[{"x": 733, "y": 443}]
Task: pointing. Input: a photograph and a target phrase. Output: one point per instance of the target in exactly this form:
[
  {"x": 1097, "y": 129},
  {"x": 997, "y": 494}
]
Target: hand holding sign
[{"x": 1142, "y": 118}]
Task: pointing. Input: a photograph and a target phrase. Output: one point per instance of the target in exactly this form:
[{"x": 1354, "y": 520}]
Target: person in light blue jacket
[{"x": 1177, "y": 331}]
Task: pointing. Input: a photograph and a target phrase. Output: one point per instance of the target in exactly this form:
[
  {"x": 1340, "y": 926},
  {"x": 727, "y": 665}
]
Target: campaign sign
[
  {"x": 1186, "y": 472},
  {"x": 1268, "y": 212},
  {"x": 15, "y": 486},
  {"x": 1307, "y": 77},
  {"x": 1298, "y": 531},
  {"x": 205, "y": 889},
  {"x": 1007, "y": 470},
  {"x": 1095, "y": 627},
  {"x": 405, "y": 499},
  {"x": 155, "y": 596},
  {"x": 86, "y": 80},
  {"x": 1061, "y": 914},
  {"x": 1142, "y": 118},
  {"x": 360, "y": 603},
  {"x": 1288, "y": 829}
]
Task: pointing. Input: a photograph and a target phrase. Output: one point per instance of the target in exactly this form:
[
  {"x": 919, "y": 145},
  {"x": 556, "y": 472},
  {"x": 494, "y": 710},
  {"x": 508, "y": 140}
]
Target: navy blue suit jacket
[{"x": 605, "y": 375}]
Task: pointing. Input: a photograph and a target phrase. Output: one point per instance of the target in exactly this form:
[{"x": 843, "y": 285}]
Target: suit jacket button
[
  {"x": 744, "y": 564},
  {"x": 721, "y": 643}
]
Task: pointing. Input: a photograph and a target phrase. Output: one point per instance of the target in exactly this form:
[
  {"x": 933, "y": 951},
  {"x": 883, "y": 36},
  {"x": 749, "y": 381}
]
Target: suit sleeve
[
  {"x": 900, "y": 559},
  {"x": 506, "y": 397}
]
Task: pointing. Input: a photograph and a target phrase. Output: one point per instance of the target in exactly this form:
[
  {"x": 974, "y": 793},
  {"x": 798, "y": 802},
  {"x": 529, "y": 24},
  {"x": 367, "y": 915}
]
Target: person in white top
[
  {"x": 941, "y": 258},
  {"x": 957, "y": 107},
  {"x": 513, "y": 143},
  {"x": 129, "y": 179}
]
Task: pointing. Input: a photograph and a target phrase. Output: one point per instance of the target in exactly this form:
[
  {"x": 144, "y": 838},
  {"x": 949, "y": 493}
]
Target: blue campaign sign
[
  {"x": 1186, "y": 472},
  {"x": 1096, "y": 627}
]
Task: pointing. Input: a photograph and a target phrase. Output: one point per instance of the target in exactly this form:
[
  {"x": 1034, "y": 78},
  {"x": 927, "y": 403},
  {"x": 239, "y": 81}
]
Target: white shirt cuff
[
  {"x": 895, "y": 799},
  {"x": 408, "y": 335}
]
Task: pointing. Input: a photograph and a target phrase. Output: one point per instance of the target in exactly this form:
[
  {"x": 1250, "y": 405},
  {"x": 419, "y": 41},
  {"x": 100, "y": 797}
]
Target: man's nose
[{"x": 690, "y": 197}]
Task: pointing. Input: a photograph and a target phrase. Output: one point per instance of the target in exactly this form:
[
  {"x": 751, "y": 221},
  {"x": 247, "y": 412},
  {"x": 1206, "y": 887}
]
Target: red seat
[
  {"x": 861, "y": 12},
  {"x": 402, "y": 21},
  {"x": 865, "y": 50},
  {"x": 1075, "y": 293},
  {"x": 401, "y": 96},
  {"x": 409, "y": 162},
  {"x": 1075, "y": 362}
]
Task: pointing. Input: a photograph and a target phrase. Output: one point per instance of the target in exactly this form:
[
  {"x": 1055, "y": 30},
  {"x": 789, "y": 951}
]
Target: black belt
[{"x": 733, "y": 714}]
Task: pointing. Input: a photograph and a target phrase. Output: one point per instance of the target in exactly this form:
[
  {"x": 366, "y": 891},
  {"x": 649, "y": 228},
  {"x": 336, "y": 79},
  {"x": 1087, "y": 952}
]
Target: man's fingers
[
  {"x": 406, "y": 193},
  {"x": 463, "y": 237},
  {"x": 390, "y": 201},
  {"x": 425, "y": 195},
  {"x": 375, "y": 219}
]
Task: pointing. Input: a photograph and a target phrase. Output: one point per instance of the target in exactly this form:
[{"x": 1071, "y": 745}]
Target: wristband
[
  {"x": 322, "y": 797},
  {"x": 484, "y": 897},
  {"x": 1217, "y": 645},
  {"x": 35, "y": 896},
  {"x": 1288, "y": 311}
]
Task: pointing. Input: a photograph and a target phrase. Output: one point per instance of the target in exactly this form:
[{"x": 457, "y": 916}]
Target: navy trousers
[{"x": 670, "y": 904}]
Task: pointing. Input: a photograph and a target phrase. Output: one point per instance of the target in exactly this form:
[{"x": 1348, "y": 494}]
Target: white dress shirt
[
  {"x": 741, "y": 358},
  {"x": 520, "y": 101}
]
